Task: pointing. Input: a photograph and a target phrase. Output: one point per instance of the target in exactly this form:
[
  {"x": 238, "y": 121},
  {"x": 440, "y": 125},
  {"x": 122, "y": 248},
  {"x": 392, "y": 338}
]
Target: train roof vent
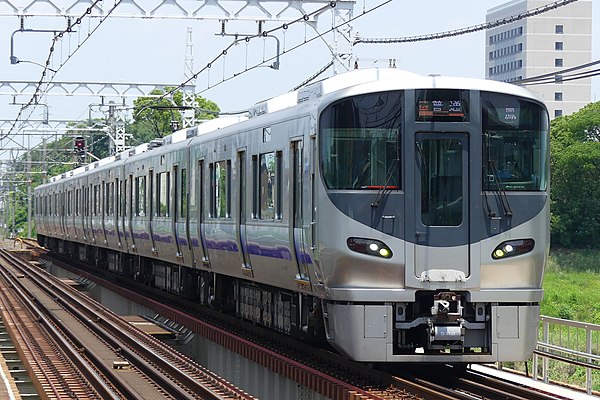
[
  {"x": 154, "y": 143},
  {"x": 139, "y": 149},
  {"x": 191, "y": 132}
]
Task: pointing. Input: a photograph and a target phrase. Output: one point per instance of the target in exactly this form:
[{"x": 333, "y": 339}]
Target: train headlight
[
  {"x": 513, "y": 248},
  {"x": 371, "y": 247}
]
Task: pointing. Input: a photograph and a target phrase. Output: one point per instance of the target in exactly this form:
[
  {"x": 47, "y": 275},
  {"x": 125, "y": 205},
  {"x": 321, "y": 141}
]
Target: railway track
[
  {"x": 332, "y": 371},
  {"x": 116, "y": 359}
]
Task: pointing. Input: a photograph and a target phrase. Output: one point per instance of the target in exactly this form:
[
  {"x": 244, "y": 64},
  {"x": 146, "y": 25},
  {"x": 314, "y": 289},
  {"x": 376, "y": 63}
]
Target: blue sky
[{"x": 153, "y": 51}]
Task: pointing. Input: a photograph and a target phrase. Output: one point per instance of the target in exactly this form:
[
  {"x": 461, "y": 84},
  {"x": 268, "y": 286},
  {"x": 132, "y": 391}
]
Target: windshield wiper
[
  {"x": 382, "y": 189},
  {"x": 500, "y": 192}
]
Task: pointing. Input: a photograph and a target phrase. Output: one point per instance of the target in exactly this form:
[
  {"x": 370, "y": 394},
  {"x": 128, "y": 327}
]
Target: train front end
[{"x": 432, "y": 220}]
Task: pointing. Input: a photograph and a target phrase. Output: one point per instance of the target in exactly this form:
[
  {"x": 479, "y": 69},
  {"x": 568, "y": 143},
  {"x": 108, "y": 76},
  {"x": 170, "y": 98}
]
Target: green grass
[
  {"x": 572, "y": 285},
  {"x": 571, "y": 291}
]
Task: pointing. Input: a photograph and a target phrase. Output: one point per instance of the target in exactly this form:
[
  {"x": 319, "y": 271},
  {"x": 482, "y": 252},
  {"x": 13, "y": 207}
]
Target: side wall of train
[{"x": 406, "y": 217}]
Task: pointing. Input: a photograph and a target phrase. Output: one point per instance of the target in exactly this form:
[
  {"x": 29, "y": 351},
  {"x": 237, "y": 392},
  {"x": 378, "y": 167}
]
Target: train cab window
[
  {"x": 360, "y": 142},
  {"x": 515, "y": 144},
  {"x": 163, "y": 190}
]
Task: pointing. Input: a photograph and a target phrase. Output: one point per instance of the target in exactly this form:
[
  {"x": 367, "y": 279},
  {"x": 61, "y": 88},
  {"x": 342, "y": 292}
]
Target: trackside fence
[{"x": 568, "y": 351}]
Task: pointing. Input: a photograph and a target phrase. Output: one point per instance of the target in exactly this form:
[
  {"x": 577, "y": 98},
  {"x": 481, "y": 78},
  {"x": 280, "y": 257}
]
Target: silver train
[{"x": 403, "y": 217}]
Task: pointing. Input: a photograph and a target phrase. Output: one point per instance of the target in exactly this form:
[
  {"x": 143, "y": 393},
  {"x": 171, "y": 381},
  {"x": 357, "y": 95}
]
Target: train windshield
[
  {"x": 515, "y": 144},
  {"x": 359, "y": 139}
]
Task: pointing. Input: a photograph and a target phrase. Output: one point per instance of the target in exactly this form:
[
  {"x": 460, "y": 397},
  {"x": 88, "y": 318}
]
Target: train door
[
  {"x": 86, "y": 214},
  {"x": 175, "y": 228},
  {"x": 122, "y": 213},
  {"x": 200, "y": 201},
  {"x": 441, "y": 207},
  {"x": 117, "y": 210},
  {"x": 151, "y": 205},
  {"x": 241, "y": 217},
  {"x": 93, "y": 211},
  {"x": 298, "y": 234},
  {"x": 181, "y": 216},
  {"x": 128, "y": 212},
  {"x": 104, "y": 202}
]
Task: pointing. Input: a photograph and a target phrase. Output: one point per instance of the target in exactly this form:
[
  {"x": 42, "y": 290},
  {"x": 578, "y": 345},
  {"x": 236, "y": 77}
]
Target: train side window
[
  {"x": 119, "y": 196},
  {"x": 220, "y": 177},
  {"x": 77, "y": 201},
  {"x": 278, "y": 185},
  {"x": 122, "y": 197},
  {"x": 163, "y": 189},
  {"x": 69, "y": 202},
  {"x": 268, "y": 186},
  {"x": 103, "y": 209},
  {"x": 184, "y": 195},
  {"x": 108, "y": 199},
  {"x": 228, "y": 190},
  {"x": 140, "y": 196},
  {"x": 96, "y": 200},
  {"x": 192, "y": 194},
  {"x": 255, "y": 187}
]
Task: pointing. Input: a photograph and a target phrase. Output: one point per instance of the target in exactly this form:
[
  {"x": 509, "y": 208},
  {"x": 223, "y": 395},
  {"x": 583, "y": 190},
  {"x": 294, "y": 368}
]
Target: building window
[
  {"x": 558, "y": 62},
  {"x": 557, "y": 113},
  {"x": 558, "y": 96},
  {"x": 558, "y": 45},
  {"x": 558, "y": 79},
  {"x": 558, "y": 29}
]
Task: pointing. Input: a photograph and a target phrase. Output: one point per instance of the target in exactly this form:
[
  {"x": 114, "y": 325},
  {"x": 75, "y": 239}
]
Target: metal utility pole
[
  {"x": 29, "y": 194},
  {"x": 116, "y": 123},
  {"x": 189, "y": 91}
]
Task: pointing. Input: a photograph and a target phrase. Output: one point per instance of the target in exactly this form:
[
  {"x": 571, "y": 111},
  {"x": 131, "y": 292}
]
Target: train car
[{"x": 403, "y": 217}]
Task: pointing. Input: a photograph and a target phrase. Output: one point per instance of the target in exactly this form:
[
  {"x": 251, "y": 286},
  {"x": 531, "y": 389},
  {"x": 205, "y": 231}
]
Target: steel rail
[
  {"x": 302, "y": 373},
  {"x": 144, "y": 352},
  {"x": 97, "y": 382}
]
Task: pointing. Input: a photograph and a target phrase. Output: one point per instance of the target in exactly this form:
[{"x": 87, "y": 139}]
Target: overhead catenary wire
[
  {"x": 582, "y": 75},
  {"x": 38, "y": 89},
  {"x": 463, "y": 31},
  {"x": 248, "y": 38},
  {"x": 550, "y": 77},
  {"x": 298, "y": 46},
  {"x": 314, "y": 76}
]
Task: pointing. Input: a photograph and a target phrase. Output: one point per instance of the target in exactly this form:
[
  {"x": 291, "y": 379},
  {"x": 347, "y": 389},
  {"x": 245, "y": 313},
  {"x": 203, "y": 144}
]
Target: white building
[{"x": 546, "y": 43}]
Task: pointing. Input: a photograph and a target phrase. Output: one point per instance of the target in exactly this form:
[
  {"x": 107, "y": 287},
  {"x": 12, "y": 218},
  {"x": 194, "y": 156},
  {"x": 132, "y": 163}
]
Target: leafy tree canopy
[
  {"x": 575, "y": 164},
  {"x": 577, "y": 127},
  {"x": 155, "y": 118}
]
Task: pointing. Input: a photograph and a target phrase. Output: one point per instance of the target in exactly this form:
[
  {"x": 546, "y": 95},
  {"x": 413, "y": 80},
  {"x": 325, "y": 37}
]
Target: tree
[
  {"x": 158, "y": 117},
  {"x": 575, "y": 164}
]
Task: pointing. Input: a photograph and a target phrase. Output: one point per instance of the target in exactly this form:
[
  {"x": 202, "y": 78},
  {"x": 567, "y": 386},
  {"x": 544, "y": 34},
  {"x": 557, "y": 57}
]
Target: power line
[
  {"x": 38, "y": 89},
  {"x": 559, "y": 79},
  {"x": 299, "y": 45},
  {"x": 470, "y": 29},
  {"x": 311, "y": 78},
  {"x": 551, "y": 76}
]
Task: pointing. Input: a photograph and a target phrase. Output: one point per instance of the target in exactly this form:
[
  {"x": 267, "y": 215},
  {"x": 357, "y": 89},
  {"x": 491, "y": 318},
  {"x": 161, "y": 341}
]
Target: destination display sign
[{"x": 444, "y": 105}]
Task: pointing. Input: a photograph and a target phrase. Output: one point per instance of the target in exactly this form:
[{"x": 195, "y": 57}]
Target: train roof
[{"x": 352, "y": 82}]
